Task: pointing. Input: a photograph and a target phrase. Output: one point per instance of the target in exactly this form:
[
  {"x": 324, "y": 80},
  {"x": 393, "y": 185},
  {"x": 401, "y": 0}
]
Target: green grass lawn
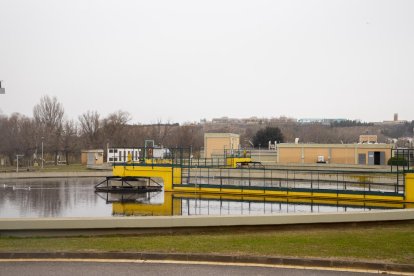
[
  {"x": 386, "y": 243},
  {"x": 48, "y": 168},
  {"x": 62, "y": 168}
]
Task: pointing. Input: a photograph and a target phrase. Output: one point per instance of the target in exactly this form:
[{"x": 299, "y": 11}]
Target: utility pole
[
  {"x": 42, "y": 151},
  {"x": 17, "y": 164},
  {"x": 2, "y": 90},
  {"x": 259, "y": 154}
]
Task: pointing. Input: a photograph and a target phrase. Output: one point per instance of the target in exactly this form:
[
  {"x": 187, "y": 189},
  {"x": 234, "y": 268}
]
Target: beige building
[
  {"x": 216, "y": 143},
  {"x": 92, "y": 157},
  {"x": 352, "y": 154},
  {"x": 368, "y": 139},
  {"x": 365, "y": 153}
]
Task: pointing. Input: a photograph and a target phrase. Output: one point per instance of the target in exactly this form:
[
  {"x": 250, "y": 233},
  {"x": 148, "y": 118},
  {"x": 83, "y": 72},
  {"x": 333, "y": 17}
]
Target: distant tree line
[
  {"x": 349, "y": 123},
  {"x": 63, "y": 138}
]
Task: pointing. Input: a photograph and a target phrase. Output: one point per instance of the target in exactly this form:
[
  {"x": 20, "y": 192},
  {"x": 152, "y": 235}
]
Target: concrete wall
[
  {"x": 333, "y": 153},
  {"x": 216, "y": 143},
  {"x": 17, "y": 226},
  {"x": 342, "y": 156}
]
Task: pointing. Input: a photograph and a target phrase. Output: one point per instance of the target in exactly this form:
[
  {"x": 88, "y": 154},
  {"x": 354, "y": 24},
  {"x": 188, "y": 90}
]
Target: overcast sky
[{"x": 187, "y": 60}]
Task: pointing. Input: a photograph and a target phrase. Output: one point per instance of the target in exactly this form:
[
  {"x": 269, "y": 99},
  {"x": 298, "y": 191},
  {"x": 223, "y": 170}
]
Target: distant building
[
  {"x": 249, "y": 121},
  {"x": 351, "y": 154},
  {"x": 367, "y": 152},
  {"x": 368, "y": 139},
  {"x": 396, "y": 121},
  {"x": 216, "y": 143},
  {"x": 119, "y": 155},
  {"x": 322, "y": 121},
  {"x": 92, "y": 157}
]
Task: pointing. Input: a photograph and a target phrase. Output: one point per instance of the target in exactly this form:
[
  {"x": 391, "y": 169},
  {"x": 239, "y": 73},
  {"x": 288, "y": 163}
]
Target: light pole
[
  {"x": 42, "y": 151},
  {"x": 259, "y": 154},
  {"x": 107, "y": 151},
  {"x": 2, "y": 90},
  {"x": 17, "y": 164}
]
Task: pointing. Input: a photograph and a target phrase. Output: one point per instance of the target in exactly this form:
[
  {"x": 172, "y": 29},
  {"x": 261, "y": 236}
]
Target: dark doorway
[{"x": 377, "y": 158}]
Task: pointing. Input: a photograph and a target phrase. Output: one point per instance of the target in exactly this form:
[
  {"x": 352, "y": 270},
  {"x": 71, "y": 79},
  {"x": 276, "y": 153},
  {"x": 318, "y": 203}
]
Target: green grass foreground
[{"x": 385, "y": 243}]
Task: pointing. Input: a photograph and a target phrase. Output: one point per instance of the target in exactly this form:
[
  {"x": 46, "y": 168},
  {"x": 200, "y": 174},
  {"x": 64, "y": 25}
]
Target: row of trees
[
  {"x": 64, "y": 138},
  {"x": 317, "y": 133}
]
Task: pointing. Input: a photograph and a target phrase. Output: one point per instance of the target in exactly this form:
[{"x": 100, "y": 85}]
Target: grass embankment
[
  {"x": 48, "y": 168},
  {"x": 62, "y": 168},
  {"x": 385, "y": 243}
]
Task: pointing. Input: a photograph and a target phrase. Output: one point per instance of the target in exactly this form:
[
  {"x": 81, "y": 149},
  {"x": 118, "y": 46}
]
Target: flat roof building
[
  {"x": 216, "y": 143},
  {"x": 92, "y": 157},
  {"x": 352, "y": 154},
  {"x": 368, "y": 139}
]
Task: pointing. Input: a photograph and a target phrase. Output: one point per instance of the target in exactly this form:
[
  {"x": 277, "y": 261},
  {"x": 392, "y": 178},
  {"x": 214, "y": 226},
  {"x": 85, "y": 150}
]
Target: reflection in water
[
  {"x": 76, "y": 197},
  {"x": 189, "y": 204},
  {"x": 72, "y": 197}
]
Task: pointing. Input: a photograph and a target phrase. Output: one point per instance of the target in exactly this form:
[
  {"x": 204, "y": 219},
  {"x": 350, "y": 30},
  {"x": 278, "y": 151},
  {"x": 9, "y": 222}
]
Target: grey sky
[{"x": 187, "y": 60}]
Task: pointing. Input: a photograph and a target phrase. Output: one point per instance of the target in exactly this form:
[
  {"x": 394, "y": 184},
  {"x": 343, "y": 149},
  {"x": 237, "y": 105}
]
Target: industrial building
[
  {"x": 367, "y": 152},
  {"x": 120, "y": 155},
  {"x": 92, "y": 157},
  {"x": 351, "y": 154},
  {"x": 216, "y": 143}
]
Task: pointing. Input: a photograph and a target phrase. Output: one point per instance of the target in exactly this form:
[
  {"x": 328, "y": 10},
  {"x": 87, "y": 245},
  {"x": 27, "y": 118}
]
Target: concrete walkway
[
  {"x": 333, "y": 264},
  {"x": 72, "y": 267}
]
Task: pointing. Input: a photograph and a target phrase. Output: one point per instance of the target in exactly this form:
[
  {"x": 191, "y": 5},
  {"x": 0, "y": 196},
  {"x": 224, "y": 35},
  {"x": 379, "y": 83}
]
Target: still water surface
[{"x": 76, "y": 197}]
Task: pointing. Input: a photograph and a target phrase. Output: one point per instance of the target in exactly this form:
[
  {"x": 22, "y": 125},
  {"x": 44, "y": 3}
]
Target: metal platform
[{"x": 114, "y": 184}]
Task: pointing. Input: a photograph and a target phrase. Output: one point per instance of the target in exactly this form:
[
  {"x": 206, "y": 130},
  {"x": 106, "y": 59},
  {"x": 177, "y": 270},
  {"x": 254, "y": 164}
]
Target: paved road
[{"x": 45, "y": 268}]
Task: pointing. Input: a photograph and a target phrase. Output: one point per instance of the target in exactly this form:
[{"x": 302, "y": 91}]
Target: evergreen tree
[{"x": 263, "y": 136}]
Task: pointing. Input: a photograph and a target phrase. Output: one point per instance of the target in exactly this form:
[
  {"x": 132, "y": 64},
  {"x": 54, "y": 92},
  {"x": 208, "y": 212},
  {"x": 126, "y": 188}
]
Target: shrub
[{"x": 397, "y": 161}]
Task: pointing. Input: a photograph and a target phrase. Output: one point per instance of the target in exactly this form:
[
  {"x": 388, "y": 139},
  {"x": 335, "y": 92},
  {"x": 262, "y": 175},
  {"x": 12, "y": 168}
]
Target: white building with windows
[{"x": 119, "y": 155}]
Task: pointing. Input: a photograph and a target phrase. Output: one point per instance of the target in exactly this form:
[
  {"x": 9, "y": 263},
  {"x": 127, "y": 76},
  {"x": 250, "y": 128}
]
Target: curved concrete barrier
[{"x": 10, "y": 225}]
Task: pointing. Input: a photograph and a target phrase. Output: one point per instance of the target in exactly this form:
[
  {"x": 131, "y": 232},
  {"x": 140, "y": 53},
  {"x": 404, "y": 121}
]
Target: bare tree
[
  {"x": 90, "y": 126},
  {"x": 70, "y": 139},
  {"x": 118, "y": 118},
  {"x": 48, "y": 115},
  {"x": 16, "y": 136},
  {"x": 160, "y": 131},
  {"x": 135, "y": 135},
  {"x": 49, "y": 112},
  {"x": 115, "y": 128}
]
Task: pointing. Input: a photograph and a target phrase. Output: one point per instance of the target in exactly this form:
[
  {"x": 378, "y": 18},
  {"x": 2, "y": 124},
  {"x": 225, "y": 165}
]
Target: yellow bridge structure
[{"x": 234, "y": 178}]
